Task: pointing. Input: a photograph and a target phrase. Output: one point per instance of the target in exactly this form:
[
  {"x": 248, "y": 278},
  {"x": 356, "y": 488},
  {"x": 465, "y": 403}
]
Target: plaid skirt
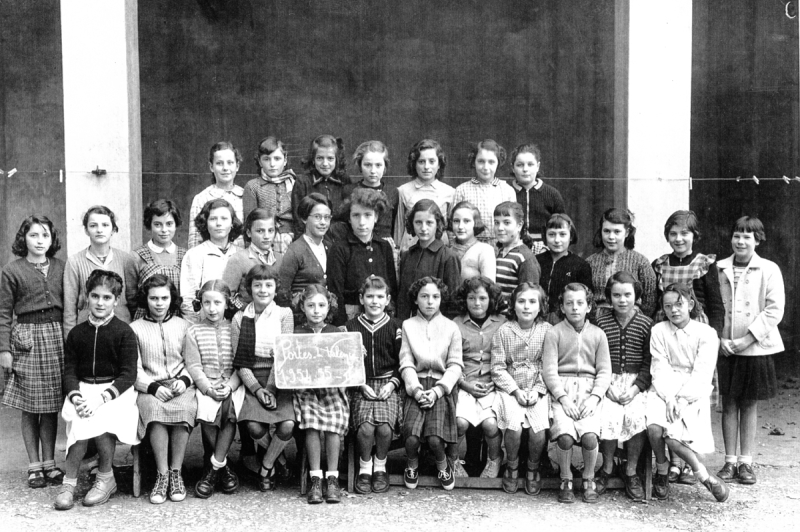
[
  {"x": 578, "y": 389},
  {"x": 181, "y": 410},
  {"x": 37, "y": 350},
  {"x": 119, "y": 417},
  {"x": 623, "y": 422},
  {"x": 438, "y": 421},
  {"x": 213, "y": 412},
  {"x": 513, "y": 416},
  {"x": 389, "y": 411},
  {"x": 325, "y": 409}
]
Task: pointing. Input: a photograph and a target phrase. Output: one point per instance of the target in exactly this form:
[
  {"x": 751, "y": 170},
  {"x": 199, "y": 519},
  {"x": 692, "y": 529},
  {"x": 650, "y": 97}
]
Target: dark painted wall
[
  {"x": 745, "y": 123},
  {"x": 31, "y": 116},
  {"x": 512, "y": 70}
]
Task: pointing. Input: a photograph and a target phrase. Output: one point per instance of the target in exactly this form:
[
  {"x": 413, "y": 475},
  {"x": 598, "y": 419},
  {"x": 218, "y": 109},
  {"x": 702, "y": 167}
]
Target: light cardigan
[
  {"x": 756, "y": 305},
  {"x": 209, "y": 355},
  {"x": 200, "y": 264},
  {"x": 233, "y": 196},
  {"x": 683, "y": 360},
  {"x": 431, "y": 349},
  {"x": 569, "y": 353},
  {"x": 160, "y": 353},
  {"x": 274, "y": 320}
]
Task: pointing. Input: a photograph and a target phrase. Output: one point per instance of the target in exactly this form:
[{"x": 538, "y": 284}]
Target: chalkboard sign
[{"x": 332, "y": 360}]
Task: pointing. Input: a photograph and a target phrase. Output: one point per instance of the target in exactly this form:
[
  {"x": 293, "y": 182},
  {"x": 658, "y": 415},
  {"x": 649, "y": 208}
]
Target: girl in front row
[
  {"x": 100, "y": 358},
  {"x": 209, "y": 359},
  {"x": 577, "y": 371},
  {"x": 253, "y": 333},
  {"x": 684, "y": 355},
  {"x": 522, "y": 401},
  {"x": 623, "y": 411},
  {"x": 515, "y": 261},
  {"x": 431, "y": 365},
  {"x": 323, "y": 412}
]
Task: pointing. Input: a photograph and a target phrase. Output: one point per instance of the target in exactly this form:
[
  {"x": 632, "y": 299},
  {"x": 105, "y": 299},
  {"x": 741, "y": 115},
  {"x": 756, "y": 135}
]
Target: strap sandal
[{"x": 36, "y": 478}]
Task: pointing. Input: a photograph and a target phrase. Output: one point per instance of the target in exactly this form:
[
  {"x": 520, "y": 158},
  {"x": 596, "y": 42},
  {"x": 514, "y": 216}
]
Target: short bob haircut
[
  {"x": 750, "y": 224},
  {"x": 476, "y": 283},
  {"x": 374, "y": 146},
  {"x": 201, "y": 221},
  {"x": 514, "y": 210},
  {"x": 687, "y": 219},
  {"x": 308, "y": 203},
  {"x": 108, "y": 279},
  {"x": 558, "y": 221},
  {"x": 255, "y": 215},
  {"x": 375, "y": 282},
  {"x": 684, "y": 294},
  {"x": 158, "y": 280},
  {"x": 219, "y": 146},
  {"x": 478, "y": 227},
  {"x": 524, "y": 287},
  {"x": 416, "y": 287},
  {"x": 161, "y": 207},
  {"x": 577, "y": 287},
  {"x": 429, "y": 206},
  {"x": 326, "y": 141},
  {"x": 488, "y": 145},
  {"x": 103, "y": 210},
  {"x": 20, "y": 248},
  {"x": 368, "y": 198},
  {"x": 313, "y": 290},
  {"x": 266, "y": 147},
  {"x": 261, "y": 272},
  {"x": 616, "y": 216},
  {"x": 527, "y": 147},
  {"x": 623, "y": 277},
  {"x": 416, "y": 149}
]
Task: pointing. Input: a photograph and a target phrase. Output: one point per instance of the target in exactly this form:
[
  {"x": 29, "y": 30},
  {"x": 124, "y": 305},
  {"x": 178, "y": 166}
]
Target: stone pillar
[{"x": 100, "y": 51}]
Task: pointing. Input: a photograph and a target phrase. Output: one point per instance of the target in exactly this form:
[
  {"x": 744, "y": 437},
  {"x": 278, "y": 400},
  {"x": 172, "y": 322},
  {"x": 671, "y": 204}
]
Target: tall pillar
[
  {"x": 100, "y": 50},
  {"x": 654, "y": 153}
]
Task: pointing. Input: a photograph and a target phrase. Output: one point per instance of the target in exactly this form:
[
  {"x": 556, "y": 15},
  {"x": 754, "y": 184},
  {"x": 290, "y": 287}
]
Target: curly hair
[
  {"x": 623, "y": 277},
  {"x": 429, "y": 206},
  {"x": 750, "y": 224},
  {"x": 524, "y": 287},
  {"x": 103, "y": 210},
  {"x": 255, "y": 215},
  {"x": 369, "y": 198},
  {"x": 474, "y": 284},
  {"x": 478, "y": 225},
  {"x": 682, "y": 218},
  {"x": 374, "y": 146},
  {"x": 266, "y": 147},
  {"x": 527, "y": 147},
  {"x": 20, "y": 248},
  {"x": 106, "y": 278},
  {"x": 416, "y": 287},
  {"x": 201, "y": 220},
  {"x": 326, "y": 141},
  {"x": 313, "y": 290},
  {"x": 416, "y": 149},
  {"x": 616, "y": 216},
  {"x": 161, "y": 207},
  {"x": 558, "y": 221},
  {"x": 374, "y": 282},
  {"x": 158, "y": 280},
  {"x": 219, "y": 146},
  {"x": 488, "y": 145},
  {"x": 262, "y": 272}
]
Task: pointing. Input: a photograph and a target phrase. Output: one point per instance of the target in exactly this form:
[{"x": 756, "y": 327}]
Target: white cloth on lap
[
  {"x": 119, "y": 417},
  {"x": 623, "y": 422},
  {"x": 208, "y": 407},
  {"x": 475, "y": 410}
]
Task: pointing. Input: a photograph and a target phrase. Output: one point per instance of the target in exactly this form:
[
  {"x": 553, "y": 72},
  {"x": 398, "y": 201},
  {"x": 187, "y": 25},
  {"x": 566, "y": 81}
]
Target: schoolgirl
[
  {"x": 371, "y": 158},
  {"x": 477, "y": 258},
  {"x": 515, "y": 261}
]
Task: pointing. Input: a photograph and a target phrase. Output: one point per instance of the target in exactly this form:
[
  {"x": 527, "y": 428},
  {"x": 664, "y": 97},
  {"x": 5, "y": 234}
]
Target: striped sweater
[
  {"x": 518, "y": 265},
  {"x": 208, "y": 352},
  {"x": 160, "y": 352},
  {"x": 629, "y": 346}
]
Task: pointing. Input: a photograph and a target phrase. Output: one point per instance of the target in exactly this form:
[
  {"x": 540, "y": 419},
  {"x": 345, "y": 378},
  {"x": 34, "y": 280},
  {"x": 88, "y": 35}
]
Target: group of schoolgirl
[{"x": 546, "y": 368}]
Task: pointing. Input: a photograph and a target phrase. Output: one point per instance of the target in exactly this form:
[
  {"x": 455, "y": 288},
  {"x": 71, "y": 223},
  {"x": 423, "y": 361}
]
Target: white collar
[{"x": 158, "y": 249}]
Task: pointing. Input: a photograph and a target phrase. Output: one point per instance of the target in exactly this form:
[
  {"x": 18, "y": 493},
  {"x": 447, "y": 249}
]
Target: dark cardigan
[{"x": 568, "y": 269}]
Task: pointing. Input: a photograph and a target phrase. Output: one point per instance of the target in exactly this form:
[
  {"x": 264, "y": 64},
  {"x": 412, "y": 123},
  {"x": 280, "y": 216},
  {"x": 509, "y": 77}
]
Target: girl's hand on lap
[
  {"x": 478, "y": 390},
  {"x": 368, "y": 393},
  {"x": 386, "y": 391},
  {"x": 6, "y": 360},
  {"x": 570, "y": 408},
  {"x": 613, "y": 394},
  {"x": 589, "y": 406},
  {"x": 521, "y": 396},
  {"x": 163, "y": 394},
  {"x": 178, "y": 387},
  {"x": 90, "y": 406},
  {"x": 267, "y": 399},
  {"x": 533, "y": 397},
  {"x": 627, "y": 396}
]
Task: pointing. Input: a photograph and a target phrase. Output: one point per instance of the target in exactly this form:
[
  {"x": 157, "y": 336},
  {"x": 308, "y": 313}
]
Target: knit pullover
[{"x": 571, "y": 353}]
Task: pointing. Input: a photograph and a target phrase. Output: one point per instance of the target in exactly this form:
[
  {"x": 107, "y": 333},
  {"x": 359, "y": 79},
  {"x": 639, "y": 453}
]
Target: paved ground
[{"x": 775, "y": 500}]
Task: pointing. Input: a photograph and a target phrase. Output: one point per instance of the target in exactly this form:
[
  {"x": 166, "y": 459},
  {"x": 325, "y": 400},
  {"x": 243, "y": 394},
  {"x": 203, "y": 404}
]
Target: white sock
[
  {"x": 332, "y": 474},
  {"x": 108, "y": 475},
  {"x": 71, "y": 481},
  {"x": 730, "y": 458},
  {"x": 743, "y": 459},
  {"x": 701, "y": 473},
  {"x": 365, "y": 467},
  {"x": 316, "y": 473},
  {"x": 380, "y": 465},
  {"x": 218, "y": 465}
]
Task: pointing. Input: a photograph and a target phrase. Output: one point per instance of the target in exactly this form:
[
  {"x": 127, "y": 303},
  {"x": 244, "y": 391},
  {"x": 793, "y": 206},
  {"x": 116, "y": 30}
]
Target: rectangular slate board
[{"x": 332, "y": 360}]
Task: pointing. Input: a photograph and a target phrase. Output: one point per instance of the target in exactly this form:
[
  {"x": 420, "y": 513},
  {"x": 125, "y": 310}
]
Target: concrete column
[
  {"x": 100, "y": 50},
  {"x": 655, "y": 152}
]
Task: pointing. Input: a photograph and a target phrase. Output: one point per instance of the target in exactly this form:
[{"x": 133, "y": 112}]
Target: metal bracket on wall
[{"x": 99, "y": 172}]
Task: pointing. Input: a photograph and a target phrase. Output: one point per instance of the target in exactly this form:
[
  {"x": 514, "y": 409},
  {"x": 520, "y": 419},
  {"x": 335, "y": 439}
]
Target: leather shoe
[
  {"x": 205, "y": 486},
  {"x": 687, "y": 476},
  {"x": 746, "y": 474},
  {"x": 601, "y": 481},
  {"x": 333, "y": 496},
  {"x": 380, "y": 482},
  {"x": 228, "y": 480},
  {"x": 660, "y": 486},
  {"x": 718, "y": 488},
  {"x": 363, "y": 483},
  {"x": 65, "y": 499},
  {"x": 533, "y": 482},
  {"x": 315, "y": 491},
  {"x": 674, "y": 473},
  {"x": 633, "y": 487},
  {"x": 565, "y": 493},
  {"x": 266, "y": 479},
  {"x": 728, "y": 473},
  {"x": 590, "y": 494},
  {"x": 100, "y": 492},
  {"x": 510, "y": 480}
]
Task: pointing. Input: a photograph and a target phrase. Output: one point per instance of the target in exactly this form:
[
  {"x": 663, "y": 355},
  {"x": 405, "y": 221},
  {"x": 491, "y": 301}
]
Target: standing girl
[
  {"x": 538, "y": 199},
  {"x": 31, "y": 288},
  {"x": 223, "y": 161},
  {"x": 209, "y": 359},
  {"x": 253, "y": 333},
  {"x": 100, "y": 357},
  {"x": 166, "y": 402},
  {"x": 426, "y": 164},
  {"x": 752, "y": 289},
  {"x": 219, "y": 227},
  {"x": 678, "y": 412},
  {"x": 477, "y": 258},
  {"x": 428, "y": 256},
  {"x": 485, "y": 191},
  {"x": 160, "y": 254},
  {"x": 478, "y": 298},
  {"x": 324, "y": 412},
  {"x": 522, "y": 401},
  {"x": 361, "y": 255},
  {"x": 99, "y": 224},
  {"x": 622, "y": 415},
  {"x": 616, "y": 236},
  {"x": 371, "y": 158},
  {"x": 377, "y": 408},
  {"x": 515, "y": 261},
  {"x": 577, "y": 371},
  {"x": 559, "y": 265},
  {"x": 272, "y": 190},
  {"x": 431, "y": 365},
  {"x": 325, "y": 174}
]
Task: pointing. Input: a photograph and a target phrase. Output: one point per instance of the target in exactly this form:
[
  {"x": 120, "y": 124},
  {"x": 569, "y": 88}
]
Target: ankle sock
[
  {"x": 316, "y": 473},
  {"x": 743, "y": 459},
  {"x": 364, "y": 467},
  {"x": 532, "y": 466},
  {"x": 512, "y": 464},
  {"x": 730, "y": 458},
  {"x": 218, "y": 465},
  {"x": 71, "y": 481},
  {"x": 662, "y": 468},
  {"x": 701, "y": 473},
  {"x": 48, "y": 464},
  {"x": 331, "y": 474},
  {"x": 105, "y": 477},
  {"x": 380, "y": 465},
  {"x": 35, "y": 466},
  {"x": 564, "y": 459}
]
